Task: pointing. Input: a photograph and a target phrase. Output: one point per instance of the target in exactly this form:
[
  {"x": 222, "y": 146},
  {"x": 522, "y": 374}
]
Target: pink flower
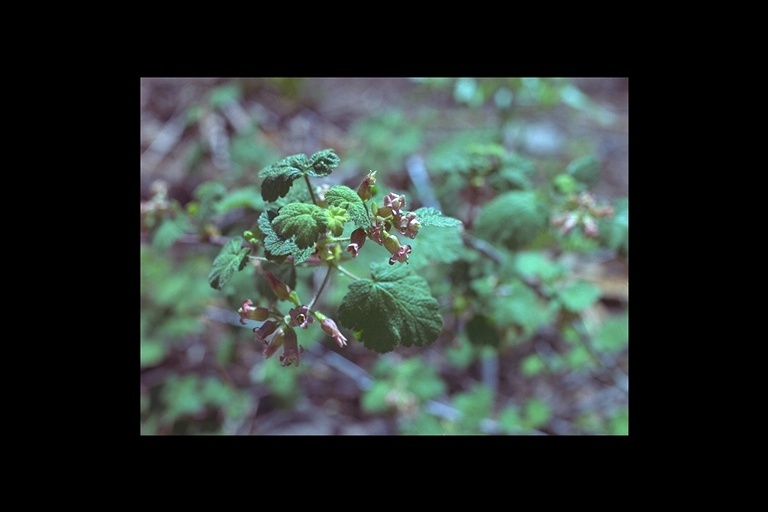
[
  {"x": 408, "y": 225},
  {"x": 248, "y": 311},
  {"x": 291, "y": 348},
  {"x": 330, "y": 328},
  {"x": 263, "y": 332},
  {"x": 401, "y": 255},
  {"x": 357, "y": 241},
  {"x": 301, "y": 317},
  {"x": 277, "y": 342},
  {"x": 394, "y": 202}
]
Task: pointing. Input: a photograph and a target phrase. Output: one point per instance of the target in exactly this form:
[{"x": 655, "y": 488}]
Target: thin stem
[
  {"x": 322, "y": 285},
  {"x": 309, "y": 186},
  {"x": 348, "y": 273}
]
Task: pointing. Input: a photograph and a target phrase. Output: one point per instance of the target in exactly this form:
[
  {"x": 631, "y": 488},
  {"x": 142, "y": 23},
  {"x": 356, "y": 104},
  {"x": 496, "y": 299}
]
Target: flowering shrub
[{"x": 392, "y": 308}]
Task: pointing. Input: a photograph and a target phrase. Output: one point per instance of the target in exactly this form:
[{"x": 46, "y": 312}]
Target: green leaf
[
  {"x": 537, "y": 413},
  {"x": 579, "y": 296},
  {"x": 278, "y": 177},
  {"x": 246, "y": 197},
  {"x": 513, "y": 219},
  {"x": 303, "y": 222},
  {"x": 344, "y": 197},
  {"x": 394, "y": 308},
  {"x": 532, "y": 365},
  {"x": 474, "y": 405},
  {"x": 435, "y": 245},
  {"x": 232, "y": 258},
  {"x": 169, "y": 231},
  {"x": 322, "y": 163},
  {"x": 275, "y": 247},
  {"x": 614, "y": 334},
  {"x": 432, "y": 217}
]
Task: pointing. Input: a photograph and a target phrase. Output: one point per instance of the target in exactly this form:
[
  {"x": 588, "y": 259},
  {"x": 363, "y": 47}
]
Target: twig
[
  {"x": 348, "y": 273},
  {"x": 322, "y": 286}
]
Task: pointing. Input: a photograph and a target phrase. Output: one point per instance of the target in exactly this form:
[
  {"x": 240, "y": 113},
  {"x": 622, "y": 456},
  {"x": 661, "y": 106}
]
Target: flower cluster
[
  {"x": 278, "y": 331},
  {"x": 391, "y": 215},
  {"x": 584, "y": 210}
]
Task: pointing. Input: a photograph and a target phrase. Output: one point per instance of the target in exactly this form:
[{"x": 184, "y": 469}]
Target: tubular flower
[
  {"x": 248, "y": 311},
  {"x": 407, "y": 224},
  {"x": 398, "y": 252},
  {"x": 266, "y": 329},
  {"x": 394, "y": 202},
  {"x": 300, "y": 317},
  {"x": 282, "y": 290},
  {"x": 357, "y": 241},
  {"x": 291, "y": 348},
  {"x": 376, "y": 233},
  {"x": 330, "y": 328},
  {"x": 277, "y": 342}
]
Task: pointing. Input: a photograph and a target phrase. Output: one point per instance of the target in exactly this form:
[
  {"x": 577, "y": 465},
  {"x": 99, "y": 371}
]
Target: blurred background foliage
[{"x": 535, "y": 309}]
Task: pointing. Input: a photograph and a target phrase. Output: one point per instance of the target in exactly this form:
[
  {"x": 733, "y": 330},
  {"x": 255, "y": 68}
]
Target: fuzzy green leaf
[
  {"x": 246, "y": 197},
  {"x": 344, "y": 197},
  {"x": 304, "y": 222},
  {"x": 432, "y": 217},
  {"x": 512, "y": 219},
  {"x": 232, "y": 258},
  {"x": 322, "y": 163},
  {"x": 278, "y": 177},
  {"x": 435, "y": 245},
  {"x": 276, "y": 246},
  {"x": 394, "y": 308}
]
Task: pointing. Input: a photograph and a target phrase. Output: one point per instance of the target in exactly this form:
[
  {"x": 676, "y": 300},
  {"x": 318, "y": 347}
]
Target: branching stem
[{"x": 322, "y": 286}]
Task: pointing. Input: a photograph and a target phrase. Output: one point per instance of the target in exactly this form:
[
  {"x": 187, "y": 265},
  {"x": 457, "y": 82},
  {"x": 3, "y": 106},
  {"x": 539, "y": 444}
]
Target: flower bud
[
  {"x": 356, "y": 242},
  {"x": 330, "y": 328},
  {"x": 282, "y": 290},
  {"x": 365, "y": 189},
  {"x": 394, "y": 202},
  {"x": 392, "y": 244}
]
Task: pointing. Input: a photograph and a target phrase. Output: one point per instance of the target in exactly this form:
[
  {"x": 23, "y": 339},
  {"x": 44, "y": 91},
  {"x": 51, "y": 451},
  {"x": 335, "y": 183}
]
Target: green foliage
[
  {"x": 430, "y": 217},
  {"x": 481, "y": 331},
  {"x": 613, "y": 334},
  {"x": 301, "y": 223},
  {"x": 336, "y": 219},
  {"x": 474, "y": 405},
  {"x": 393, "y": 308},
  {"x": 232, "y": 258},
  {"x": 578, "y": 296},
  {"x": 276, "y": 246},
  {"x": 513, "y": 219},
  {"x": 244, "y": 197},
  {"x": 169, "y": 231},
  {"x": 439, "y": 240},
  {"x": 278, "y": 177},
  {"x": 344, "y": 197},
  {"x": 403, "y": 385}
]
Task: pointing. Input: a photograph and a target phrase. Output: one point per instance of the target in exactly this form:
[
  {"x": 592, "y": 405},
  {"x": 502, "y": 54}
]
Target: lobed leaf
[
  {"x": 432, "y": 217},
  {"x": 393, "y": 308},
  {"x": 304, "y": 222},
  {"x": 275, "y": 246},
  {"x": 322, "y": 163},
  {"x": 232, "y": 258},
  {"x": 279, "y": 177}
]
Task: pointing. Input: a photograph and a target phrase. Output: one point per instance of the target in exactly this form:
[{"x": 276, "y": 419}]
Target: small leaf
[
  {"x": 304, "y": 222},
  {"x": 278, "y": 177},
  {"x": 432, "y": 217},
  {"x": 232, "y": 258},
  {"x": 336, "y": 219},
  {"x": 344, "y": 197},
  {"x": 322, "y": 163},
  {"x": 394, "y": 308}
]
